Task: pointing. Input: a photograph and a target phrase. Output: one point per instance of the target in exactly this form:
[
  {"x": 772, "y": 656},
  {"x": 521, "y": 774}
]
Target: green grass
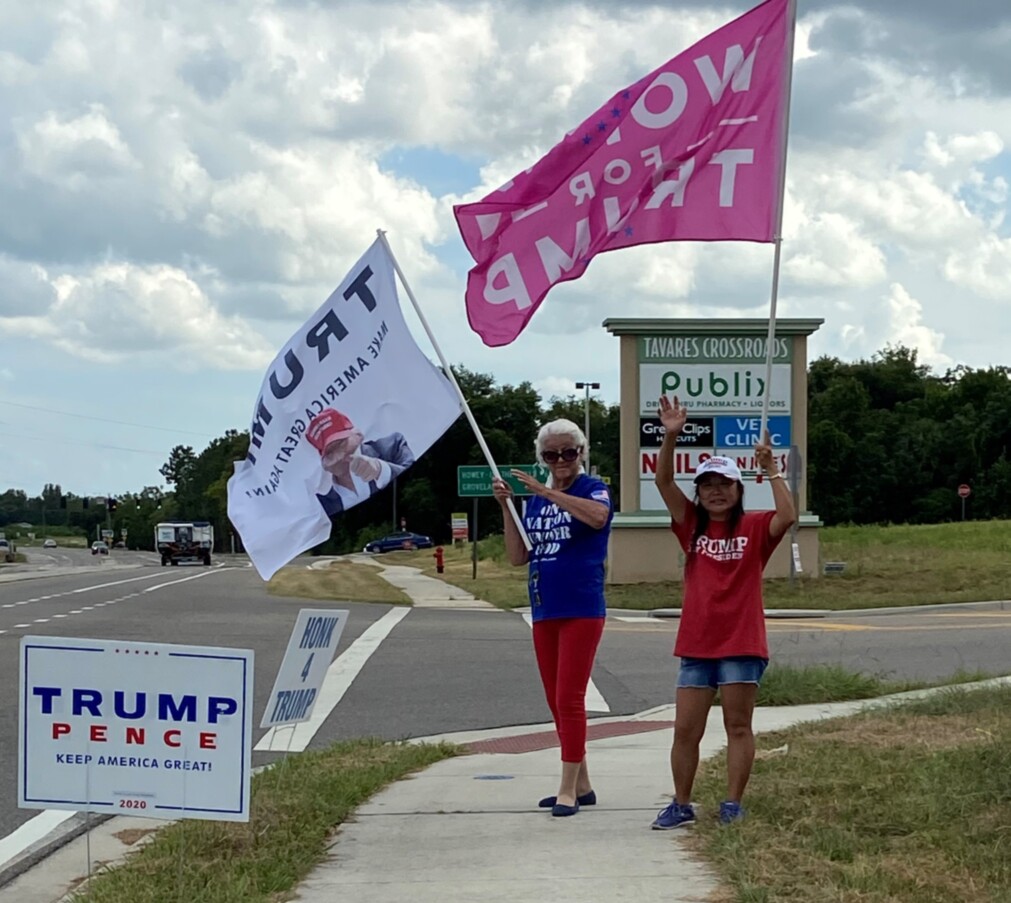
[
  {"x": 294, "y": 809},
  {"x": 885, "y": 566},
  {"x": 912, "y": 803},
  {"x": 789, "y": 685},
  {"x": 341, "y": 581}
]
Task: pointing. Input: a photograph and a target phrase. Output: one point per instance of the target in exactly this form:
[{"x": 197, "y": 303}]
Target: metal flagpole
[
  {"x": 452, "y": 378},
  {"x": 778, "y": 236}
]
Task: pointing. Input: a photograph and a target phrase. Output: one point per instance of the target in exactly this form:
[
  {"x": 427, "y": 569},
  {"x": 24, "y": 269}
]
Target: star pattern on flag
[
  {"x": 587, "y": 139},
  {"x": 601, "y": 126},
  {"x": 615, "y": 112},
  {"x": 628, "y": 231}
]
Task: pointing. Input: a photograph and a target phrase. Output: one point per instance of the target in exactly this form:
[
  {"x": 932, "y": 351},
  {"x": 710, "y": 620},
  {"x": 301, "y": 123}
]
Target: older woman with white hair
[{"x": 568, "y": 521}]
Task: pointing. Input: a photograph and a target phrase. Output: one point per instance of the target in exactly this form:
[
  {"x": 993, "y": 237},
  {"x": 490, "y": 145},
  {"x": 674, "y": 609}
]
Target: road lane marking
[
  {"x": 151, "y": 589},
  {"x": 339, "y": 677},
  {"x": 595, "y": 702},
  {"x": 30, "y": 833},
  {"x": 797, "y": 624}
]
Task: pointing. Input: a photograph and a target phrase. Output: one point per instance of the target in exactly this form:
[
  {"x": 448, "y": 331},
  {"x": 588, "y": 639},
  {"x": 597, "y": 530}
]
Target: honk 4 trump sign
[{"x": 147, "y": 729}]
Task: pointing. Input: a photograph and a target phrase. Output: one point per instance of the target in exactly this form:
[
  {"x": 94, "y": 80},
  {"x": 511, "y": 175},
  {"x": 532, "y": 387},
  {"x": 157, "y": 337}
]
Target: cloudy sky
[{"x": 183, "y": 183}]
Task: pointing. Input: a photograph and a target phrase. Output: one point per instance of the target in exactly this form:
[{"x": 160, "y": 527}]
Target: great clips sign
[
  {"x": 147, "y": 729},
  {"x": 698, "y": 432}
]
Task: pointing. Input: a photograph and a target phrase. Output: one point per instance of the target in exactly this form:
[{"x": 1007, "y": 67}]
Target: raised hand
[
  {"x": 532, "y": 484},
  {"x": 672, "y": 415}
]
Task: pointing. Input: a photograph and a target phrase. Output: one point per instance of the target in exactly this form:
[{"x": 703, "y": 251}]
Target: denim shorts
[{"x": 714, "y": 672}]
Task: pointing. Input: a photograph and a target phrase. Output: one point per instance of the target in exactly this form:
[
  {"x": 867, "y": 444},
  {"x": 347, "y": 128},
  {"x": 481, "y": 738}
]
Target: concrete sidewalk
[
  {"x": 469, "y": 828},
  {"x": 424, "y": 592}
]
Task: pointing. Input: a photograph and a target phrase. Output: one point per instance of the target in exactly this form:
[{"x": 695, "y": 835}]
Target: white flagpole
[
  {"x": 452, "y": 378},
  {"x": 778, "y": 235}
]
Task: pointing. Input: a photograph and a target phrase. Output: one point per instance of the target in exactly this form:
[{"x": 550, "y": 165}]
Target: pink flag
[{"x": 691, "y": 152}]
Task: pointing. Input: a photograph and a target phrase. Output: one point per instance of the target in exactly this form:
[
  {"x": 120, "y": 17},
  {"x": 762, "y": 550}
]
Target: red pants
[{"x": 565, "y": 648}]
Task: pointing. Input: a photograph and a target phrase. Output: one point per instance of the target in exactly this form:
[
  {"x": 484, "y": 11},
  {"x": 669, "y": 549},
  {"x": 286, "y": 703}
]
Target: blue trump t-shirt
[{"x": 567, "y": 559}]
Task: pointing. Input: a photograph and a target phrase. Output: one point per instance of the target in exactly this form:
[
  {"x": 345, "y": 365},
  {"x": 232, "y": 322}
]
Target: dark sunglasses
[{"x": 566, "y": 454}]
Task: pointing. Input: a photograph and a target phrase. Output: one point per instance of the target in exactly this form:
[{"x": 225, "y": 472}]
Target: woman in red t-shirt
[{"x": 721, "y": 638}]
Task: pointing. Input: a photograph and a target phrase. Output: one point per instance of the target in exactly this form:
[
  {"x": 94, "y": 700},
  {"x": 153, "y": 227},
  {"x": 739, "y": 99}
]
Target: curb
[
  {"x": 63, "y": 834},
  {"x": 776, "y": 613}
]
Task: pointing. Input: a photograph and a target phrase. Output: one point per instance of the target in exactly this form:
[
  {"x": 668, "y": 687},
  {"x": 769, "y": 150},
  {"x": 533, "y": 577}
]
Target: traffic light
[
  {"x": 63, "y": 501},
  {"x": 111, "y": 504},
  {"x": 86, "y": 502}
]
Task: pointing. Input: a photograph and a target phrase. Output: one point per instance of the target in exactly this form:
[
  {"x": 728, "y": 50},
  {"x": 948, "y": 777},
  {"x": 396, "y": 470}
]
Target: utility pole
[{"x": 586, "y": 420}]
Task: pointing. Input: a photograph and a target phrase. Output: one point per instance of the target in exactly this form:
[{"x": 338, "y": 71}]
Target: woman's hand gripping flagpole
[{"x": 452, "y": 378}]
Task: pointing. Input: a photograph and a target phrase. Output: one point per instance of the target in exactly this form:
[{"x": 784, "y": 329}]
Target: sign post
[
  {"x": 473, "y": 545},
  {"x": 964, "y": 491}
]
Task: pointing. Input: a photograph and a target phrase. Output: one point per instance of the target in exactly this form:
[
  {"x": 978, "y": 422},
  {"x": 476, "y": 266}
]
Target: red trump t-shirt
[{"x": 722, "y": 612}]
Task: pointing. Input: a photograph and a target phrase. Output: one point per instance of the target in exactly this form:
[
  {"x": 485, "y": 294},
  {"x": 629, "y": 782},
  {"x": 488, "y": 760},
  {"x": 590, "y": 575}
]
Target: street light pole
[{"x": 586, "y": 419}]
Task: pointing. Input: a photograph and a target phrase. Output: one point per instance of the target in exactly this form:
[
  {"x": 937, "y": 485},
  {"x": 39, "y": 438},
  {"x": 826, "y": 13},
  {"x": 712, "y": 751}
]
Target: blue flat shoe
[
  {"x": 586, "y": 799},
  {"x": 560, "y": 811}
]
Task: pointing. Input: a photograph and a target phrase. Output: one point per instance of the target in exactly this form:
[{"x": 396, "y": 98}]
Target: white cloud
[
  {"x": 194, "y": 180},
  {"x": 74, "y": 152},
  {"x": 122, "y": 312}
]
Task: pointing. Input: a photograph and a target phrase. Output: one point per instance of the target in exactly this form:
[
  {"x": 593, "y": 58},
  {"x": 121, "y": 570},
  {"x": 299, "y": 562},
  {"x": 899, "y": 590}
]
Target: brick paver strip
[{"x": 546, "y": 739}]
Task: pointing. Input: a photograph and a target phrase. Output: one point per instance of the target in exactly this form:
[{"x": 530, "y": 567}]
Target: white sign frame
[
  {"x": 127, "y": 728},
  {"x": 301, "y": 678}
]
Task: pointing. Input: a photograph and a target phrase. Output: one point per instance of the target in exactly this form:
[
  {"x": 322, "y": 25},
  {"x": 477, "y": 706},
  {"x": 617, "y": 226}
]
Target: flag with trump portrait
[
  {"x": 347, "y": 405},
  {"x": 694, "y": 151}
]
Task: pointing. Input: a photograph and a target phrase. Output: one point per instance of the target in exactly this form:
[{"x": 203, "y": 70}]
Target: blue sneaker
[
  {"x": 730, "y": 812},
  {"x": 674, "y": 816}
]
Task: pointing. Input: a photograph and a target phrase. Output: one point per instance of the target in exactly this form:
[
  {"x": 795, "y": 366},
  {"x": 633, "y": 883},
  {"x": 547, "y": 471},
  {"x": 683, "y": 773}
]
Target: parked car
[
  {"x": 99, "y": 548},
  {"x": 49, "y": 544},
  {"x": 403, "y": 539},
  {"x": 6, "y": 550}
]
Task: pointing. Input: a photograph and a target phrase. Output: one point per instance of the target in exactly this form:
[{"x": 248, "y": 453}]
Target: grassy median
[
  {"x": 340, "y": 580},
  {"x": 885, "y": 566},
  {"x": 295, "y": 807},
  {"x": 909, "y": 803}
]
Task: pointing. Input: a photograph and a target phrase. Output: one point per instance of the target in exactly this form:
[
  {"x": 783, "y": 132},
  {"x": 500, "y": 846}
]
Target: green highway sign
[{"x": 474, "y": 480}]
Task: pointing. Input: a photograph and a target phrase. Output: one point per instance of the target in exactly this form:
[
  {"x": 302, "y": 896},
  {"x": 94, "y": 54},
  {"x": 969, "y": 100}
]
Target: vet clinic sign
[{"x": 147, "y": 729}]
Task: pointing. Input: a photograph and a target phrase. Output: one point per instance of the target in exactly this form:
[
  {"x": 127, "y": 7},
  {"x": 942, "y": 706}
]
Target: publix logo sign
[
  {"x": 739, "y": 384},
  {"x": 714, "y": 387}
]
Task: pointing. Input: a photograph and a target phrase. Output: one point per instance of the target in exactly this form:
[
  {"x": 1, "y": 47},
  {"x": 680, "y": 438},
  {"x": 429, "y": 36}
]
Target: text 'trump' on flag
[{"x": 691, "y": 152}]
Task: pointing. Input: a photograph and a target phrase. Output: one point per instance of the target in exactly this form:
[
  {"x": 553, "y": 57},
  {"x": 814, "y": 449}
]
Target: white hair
[{"x": 560, "y": 427}]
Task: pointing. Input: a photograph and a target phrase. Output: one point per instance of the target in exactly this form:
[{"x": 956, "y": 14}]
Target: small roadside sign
[
  {"x": 964, "y": 491},
  {"x": 310, "y": 651},
  {"x": 153, "y": 730},
  {"x": 458, "y": 521},
  {"x": 474, "y": 480}
]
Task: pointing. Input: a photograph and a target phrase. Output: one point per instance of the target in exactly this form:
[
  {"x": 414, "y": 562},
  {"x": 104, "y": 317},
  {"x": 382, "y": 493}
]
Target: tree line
[{"x": 889, "y": 441}]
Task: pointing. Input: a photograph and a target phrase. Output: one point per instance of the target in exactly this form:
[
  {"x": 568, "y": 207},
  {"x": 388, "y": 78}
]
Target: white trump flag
[{"x": 347, "y": 405}]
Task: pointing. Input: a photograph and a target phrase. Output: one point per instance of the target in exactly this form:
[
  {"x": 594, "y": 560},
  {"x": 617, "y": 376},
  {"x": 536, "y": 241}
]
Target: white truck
[{"x": 184, "y": 541}]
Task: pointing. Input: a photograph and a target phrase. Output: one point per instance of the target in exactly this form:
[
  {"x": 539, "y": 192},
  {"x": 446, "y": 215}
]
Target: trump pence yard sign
[{"x": 147, "y": 729}]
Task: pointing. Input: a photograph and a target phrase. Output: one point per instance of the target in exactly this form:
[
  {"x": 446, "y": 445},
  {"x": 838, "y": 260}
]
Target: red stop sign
[{"x": 965, "y": 490}]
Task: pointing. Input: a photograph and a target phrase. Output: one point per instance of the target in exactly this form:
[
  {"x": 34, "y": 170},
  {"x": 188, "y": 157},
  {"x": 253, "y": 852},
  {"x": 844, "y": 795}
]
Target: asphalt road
[{"x": 438, "y": 671}]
